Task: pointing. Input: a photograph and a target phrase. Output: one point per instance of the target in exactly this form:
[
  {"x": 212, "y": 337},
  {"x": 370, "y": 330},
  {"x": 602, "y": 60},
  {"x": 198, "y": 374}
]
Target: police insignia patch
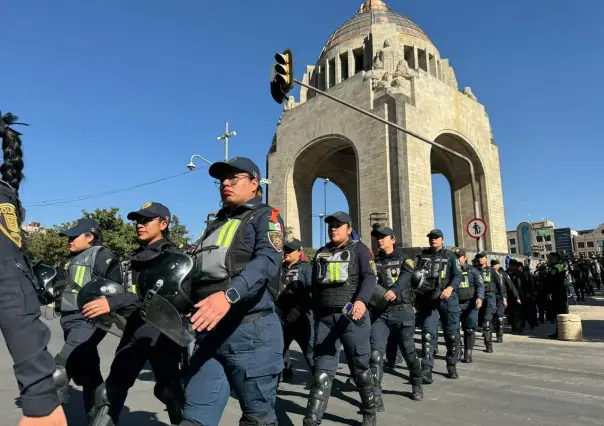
[
  {"x": 410, "y": 263},
  {"x": 9, "y": 225},
  {"x": 146, "y": 206},
  {"x": 276, "y": 240},
  {"x": 108, "y": 261},
  {"x": 373, "y": 267}
]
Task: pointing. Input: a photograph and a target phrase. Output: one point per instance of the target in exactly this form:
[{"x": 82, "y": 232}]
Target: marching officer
[
  {"x": 236, "y": 280},
  {"x": 293, "y": 304},
  {"x": 437, "y": 296},
  {"x": 343, "y": 282},
  {"x": 79, "y": 358},
  {"x": 471, "y": 296},
  {"x": 492, "y": 285},
  {"x": 555, "y": 288},
  {"x": 140, "y": 342},
  {"x": 392, "y": 314},
  {"x": 510, "y": 289},
  {"x": 25, "y": 335}
]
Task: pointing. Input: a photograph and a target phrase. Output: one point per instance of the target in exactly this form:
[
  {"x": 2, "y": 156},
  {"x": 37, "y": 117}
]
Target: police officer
[
  {"x": 471, "y": 296},
  {"x": 25, "y": 335},
  {"x": 555, "y": 288},
  {"x": 343, "y": 281},
  {"x": 437, "y": 296},
  {"x": 140, "y": 342},
  {"x": 236, "y": 278},
  {"x": 511, "y": 295},
  {"x": 492, "y": 285},
  {"x": 392, "y": 313},
  {"x": 293, "y": 305},
  {"x": 79, "y": 358}
]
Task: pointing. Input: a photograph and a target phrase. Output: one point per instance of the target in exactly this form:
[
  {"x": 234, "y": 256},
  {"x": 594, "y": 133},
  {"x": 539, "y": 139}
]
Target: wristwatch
[{"x": 232, "y": 295}]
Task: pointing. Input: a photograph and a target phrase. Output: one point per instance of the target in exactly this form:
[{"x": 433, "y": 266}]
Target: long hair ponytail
[{"x": 12, "y": 164}]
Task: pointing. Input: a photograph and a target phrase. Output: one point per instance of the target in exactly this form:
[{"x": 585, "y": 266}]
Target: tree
[
  {"x": 118, "y": 236},
  {"x": 178, "y": 232},
  {"x": 48, "y": 247}
]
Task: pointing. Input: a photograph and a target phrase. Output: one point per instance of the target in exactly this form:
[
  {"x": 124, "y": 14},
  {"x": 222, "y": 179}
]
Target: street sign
[{"x": 476, "y": 228}]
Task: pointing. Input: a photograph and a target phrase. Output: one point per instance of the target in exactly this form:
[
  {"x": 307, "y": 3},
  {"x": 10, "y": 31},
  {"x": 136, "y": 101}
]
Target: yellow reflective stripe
[
  {"x": 332, "y": 273},
  {"x": 231, "y": 232},
  {"x": 337, "y": 269},
  {"x": 79, "y": 276},
  {"x": 223, "y": 232},
  {"x": 442, "y": 274}
]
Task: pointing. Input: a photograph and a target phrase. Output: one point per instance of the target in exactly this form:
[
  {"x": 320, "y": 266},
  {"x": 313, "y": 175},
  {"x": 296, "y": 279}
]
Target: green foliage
[
  {"x": 118, "y": 235},
  {"x": 178, "y": 232},
  {"x": 48, "y": 247}
]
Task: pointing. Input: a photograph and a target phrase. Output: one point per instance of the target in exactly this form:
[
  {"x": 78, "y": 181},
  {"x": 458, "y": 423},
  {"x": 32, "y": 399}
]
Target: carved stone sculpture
[{"x": 402, "y": 73}]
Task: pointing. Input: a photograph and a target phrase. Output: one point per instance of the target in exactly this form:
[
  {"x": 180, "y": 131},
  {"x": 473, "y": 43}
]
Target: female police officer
[
  {"x": 343, "y": 276},
  {"x": 25, "y": 335},
  {"x": 140, "y": 342},
  {"x": 236, "y": 278}
]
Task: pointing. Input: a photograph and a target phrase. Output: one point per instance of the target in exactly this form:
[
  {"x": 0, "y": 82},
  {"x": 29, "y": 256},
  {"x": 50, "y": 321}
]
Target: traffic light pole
[{"x": 397, "y": 127}]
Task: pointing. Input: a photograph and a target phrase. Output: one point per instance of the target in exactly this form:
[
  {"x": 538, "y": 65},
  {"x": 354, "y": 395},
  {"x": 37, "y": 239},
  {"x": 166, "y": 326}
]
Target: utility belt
[
  {"x": 256, "y": 315},
  {"x": 327, "y": 311},
  {"x": 398, "y": 306}
]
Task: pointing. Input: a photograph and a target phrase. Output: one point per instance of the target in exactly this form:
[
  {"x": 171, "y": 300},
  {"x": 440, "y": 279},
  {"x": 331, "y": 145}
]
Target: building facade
[
  {"x": 535, "y": 239},
  {"x": 386, "y": 64},
  {"x": 564, "y": 240},
  {"x": 589, "y": 242}
]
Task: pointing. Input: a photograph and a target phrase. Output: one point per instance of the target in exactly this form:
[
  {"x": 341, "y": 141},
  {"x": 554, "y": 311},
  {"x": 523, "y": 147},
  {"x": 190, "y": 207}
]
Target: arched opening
[
  {"x": 442, "y": 202},
  {"x": 334, "y": 158},
  {"x": 326, "y": 197},
  {"x": 457, "y": 172}
]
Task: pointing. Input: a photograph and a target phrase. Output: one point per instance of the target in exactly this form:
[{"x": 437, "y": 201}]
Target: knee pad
[
  {"x": 487, "y": 325},
  {"x": 469, "y": 331},
  {"x": 376, "y": 357},
  {"x": 364, "y": 378},
  {"x": 167, "y": 393},
  {"x": 322, "y": 380},
  {"x": 427, "y": 337},
  {"x": 88, "y": 380},
  {"x": 253, "y": 419},
  {"x": 451, "y": 338},
  {"x": 61, "y": 380}
]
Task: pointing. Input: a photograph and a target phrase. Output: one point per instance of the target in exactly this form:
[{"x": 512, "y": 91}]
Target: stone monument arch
[{"x": 385, "y": 63}]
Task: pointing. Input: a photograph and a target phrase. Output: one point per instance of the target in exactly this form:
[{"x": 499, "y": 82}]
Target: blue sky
[{"x": 139, "y": 86}]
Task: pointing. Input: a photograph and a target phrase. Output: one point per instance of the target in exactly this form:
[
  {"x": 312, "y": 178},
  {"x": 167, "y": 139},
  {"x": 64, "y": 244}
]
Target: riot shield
[
  {"x": 377, "y": 300},
  {"x": 45, "y": 276},
  {"x": 166, "y": 287},
  {"x": 102, "y": 288}
]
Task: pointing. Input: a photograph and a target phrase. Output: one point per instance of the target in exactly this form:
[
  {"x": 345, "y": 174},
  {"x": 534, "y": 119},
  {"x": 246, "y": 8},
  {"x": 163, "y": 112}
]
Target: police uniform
[
  {"x": 469, "y": 291},
  {"x": 296, "y": 283},
  {"x": 441, "y": 271},
  {"x": 240, "y": 253},
  {"x": 79, "y": 358},
  {"x": 25, "y": 335},
  {"x": 394, "y": 318},
  {"x": 500, "y": 299},
  {"x": 556, "y": 289},
  {"x": 141, "y": 342},
  {"x": 492, "y": 285},
  {"x": 341, "y": 275}
]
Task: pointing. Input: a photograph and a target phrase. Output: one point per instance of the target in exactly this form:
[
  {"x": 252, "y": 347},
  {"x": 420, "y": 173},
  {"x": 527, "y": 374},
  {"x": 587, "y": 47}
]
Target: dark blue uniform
[
  {"x": 25, "y": 335},
  {"x": 246, "y": 346},
  {"x": 469, "y": 291},
  {"x": 492, "y": 285},
  {"x": 397, "y": 320},
  {"x": 430, "y": 306},
  {"x": 341, "y": 275},
  {"x": 297, "y": 279}
]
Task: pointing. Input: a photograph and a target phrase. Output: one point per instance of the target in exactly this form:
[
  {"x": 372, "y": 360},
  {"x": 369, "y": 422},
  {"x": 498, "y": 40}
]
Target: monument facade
[{"x": 383, "y": 62}]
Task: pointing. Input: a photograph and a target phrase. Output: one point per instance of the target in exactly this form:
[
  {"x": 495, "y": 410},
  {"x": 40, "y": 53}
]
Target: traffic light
[{"x": 282, "y": 76}]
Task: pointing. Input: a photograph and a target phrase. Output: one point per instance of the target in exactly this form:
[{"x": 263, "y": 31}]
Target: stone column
[
  {"x": 327, "y": 82},
  {"x": 350, "y": 63},
  {"x": 415, "y": 57},
  {"x": 338, "y": 73}
]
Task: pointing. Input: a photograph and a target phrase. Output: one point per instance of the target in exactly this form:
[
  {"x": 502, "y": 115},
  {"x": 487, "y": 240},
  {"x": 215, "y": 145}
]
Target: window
[
  {"x": 343, "y": 66},
  {"x": 590, "y": 244},
  {"x": 581, "y": 245},
  {"x": 358, "y": 60},
  {"x": 331, "y": 81},
  {"x": 539, "y": 239},
  {"x": 548, "y": 238},
  {"x": 512, "y": 241},
  {"x": 410, "y": 57},
  {"x": 548, "y": 247},
  {"x": 423, "y": 60},
  {"x": 513, "y": 250}
]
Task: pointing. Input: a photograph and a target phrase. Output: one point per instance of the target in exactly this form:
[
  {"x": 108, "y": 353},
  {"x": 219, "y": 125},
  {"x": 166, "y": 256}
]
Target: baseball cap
[
  {"x": 435, "y": 233},
  {"x": 221, "y": 168},
  {"x": 383, "y": 232},
  {"x": 82, "y": 226},
  {"x": 151, "y": 210},
  {"x": 459, "y": 252},
  {"x": 480, "y": 254},
  {"x": 293, "y": 245},
  {"x": 340, "y": 217}
]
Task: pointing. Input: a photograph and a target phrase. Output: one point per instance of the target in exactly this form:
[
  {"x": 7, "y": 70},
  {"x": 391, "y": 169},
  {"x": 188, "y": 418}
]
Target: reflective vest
[
  {"x": 289, "y": 287},
  {"x": 465, "y": 291},
  {"x": 79, "y": 271},
  {"x": 222, "y": 255},
  {"x": 489, "y": 284},
  {"x": 389, "y": 270},
  {"x": 336, "y": 275},
  {"x": 436, "y": 268}
]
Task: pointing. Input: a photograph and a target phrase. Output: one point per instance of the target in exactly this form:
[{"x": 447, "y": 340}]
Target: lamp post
[
  {"x": 225, "y": 138},
  {"x": 191, "y": 166},
  {"x": 326, "y": 181}
]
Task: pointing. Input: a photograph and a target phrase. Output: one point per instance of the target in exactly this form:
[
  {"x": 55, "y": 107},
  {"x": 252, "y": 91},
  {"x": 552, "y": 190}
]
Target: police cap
[
  {"x": 495, "y": 262},
  {"x": 480, "y": 255},
  {"x": 459, "y": 252},
  {"x": 151, "y": 210},
  {"x": 342, "y": 217},
  {"x": 293, "y": 245},
  {"x": 82, "y": 226},
  {"x": 237, "y": 164},
  {"x": 383, "y": 232},
  {"x": 435, "y": 233}
]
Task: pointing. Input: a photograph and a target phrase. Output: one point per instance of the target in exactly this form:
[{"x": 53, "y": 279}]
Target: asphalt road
[{"x": 529, "y": 380}]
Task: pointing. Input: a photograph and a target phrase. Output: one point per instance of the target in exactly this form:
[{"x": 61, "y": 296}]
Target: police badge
[{"x": 9, "y": 225}]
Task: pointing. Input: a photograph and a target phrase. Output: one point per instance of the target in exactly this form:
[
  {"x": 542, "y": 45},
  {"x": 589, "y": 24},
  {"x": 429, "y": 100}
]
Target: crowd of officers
[{"x": 254, "y": 295}]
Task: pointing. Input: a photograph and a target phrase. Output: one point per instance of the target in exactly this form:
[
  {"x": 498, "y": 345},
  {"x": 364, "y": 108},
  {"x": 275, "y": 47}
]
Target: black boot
[
  {"x": 452, "y": 371},
  {"x": 418, "y": 392},
  {"x": 61, "y": 379},
  {"x": 173, "y": 396},
  {"x": 469, "y": 338},
  {"x": 427, "y": 375},
  {"x": 460, "y": 346},
  {"x": 488, "y": 337},
  {"x": 317, "y": 400},
  {"x": 108, "y": 403}
]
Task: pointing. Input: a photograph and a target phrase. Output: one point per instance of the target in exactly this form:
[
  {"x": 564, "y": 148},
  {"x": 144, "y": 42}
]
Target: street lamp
[
  {"x": 325, "y": 208},
  {"x": 191, "y": 166}
]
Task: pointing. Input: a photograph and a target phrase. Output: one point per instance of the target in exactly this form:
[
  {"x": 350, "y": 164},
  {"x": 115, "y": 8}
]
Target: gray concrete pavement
[{"x": 529, "y": 380}]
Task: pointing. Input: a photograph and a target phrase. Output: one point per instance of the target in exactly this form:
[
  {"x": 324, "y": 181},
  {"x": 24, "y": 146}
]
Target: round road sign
[{"x": 476, "y": 228}]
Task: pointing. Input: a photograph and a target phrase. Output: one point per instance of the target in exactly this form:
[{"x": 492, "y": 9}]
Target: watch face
[{"x": 232, "y": 295}]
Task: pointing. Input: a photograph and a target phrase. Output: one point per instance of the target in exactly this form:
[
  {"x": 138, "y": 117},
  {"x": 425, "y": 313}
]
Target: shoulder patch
[
  {"x": 276, "y": 240},
  {"x": 9, "y": 225},
  {"x": 146, "y": 206},
  {"x": 410, "y": 263},
  {"x": 373, "y": 267},
  {"x": 108, "y": 261}
]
